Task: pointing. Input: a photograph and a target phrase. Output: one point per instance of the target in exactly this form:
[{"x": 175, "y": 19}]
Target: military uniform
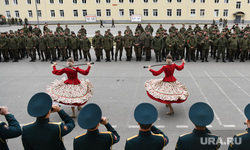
[
  {"x": 36, "y": 31},
  {"x": 97, "y": 43},
  {"x": 214, "y": 47},
  {"x": 244, "y": 48},
  {"x": 83, "y": 31},
  {"x": 13, "y": 47},
  {"x": 95, "y": 140},
  {"x": 51, "y": 44},
  {"x": 242, "y": 140},
  {"x": 62, "y": 46},
  {"x": 171, "y": 29},
  {"x": 180, "y": 45},
  {"x": 192, "y": 43},
  {"x": 30, "y": 47},
  {"x": 232, "y": 48},
  {"x": 192, "y": 141},
  {"x": 112, "y": 44},
  {"x": 197, "y": 28},
  {"x": 85, "y": 45},
  {"x": 119, "y": 40},
  {"x": 147, "y": 141},
  {"x": 107, "y": 45},
  {"x": 7, "y": 132},
  {"x": 222, "y": 44},
  {"x": 200, "y": 37},
  {"x": 182, "y": 30},
  {"x": 127, "y": 45},
  {"x": 157, "y": 45},
  {"x": 147, "y": 44},
  {"x": 21, "y": 43},
  {"x": 170, "y": 44},
  {"x": 149, "y": 28},
  {"x": 137, "y": 41},
  {"x": 205, "y": 43},
  {"x": 43, "y": 47},
  {"x": 67, "y": 30},
  {"x": 58, "y": 29},
  {"x": 74, "y": 45},
  {"x": 4, "y": 43}
]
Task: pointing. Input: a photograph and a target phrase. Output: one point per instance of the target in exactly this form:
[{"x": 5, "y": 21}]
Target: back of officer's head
[{"x": 145, "y": 126}]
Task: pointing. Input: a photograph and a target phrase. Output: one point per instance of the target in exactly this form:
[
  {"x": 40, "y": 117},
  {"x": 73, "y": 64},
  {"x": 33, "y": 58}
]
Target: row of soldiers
[{"x": 192, "y": 43}]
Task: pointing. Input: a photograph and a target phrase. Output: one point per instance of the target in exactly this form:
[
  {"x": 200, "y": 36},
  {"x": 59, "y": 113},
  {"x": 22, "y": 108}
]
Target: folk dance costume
[
  {"x": 72, "y": 92},
  {"x": 167, "y": 90}
]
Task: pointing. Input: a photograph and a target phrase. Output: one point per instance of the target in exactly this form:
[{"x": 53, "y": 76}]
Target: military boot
[
  {"x": 217, "y": 59},
  {"x": 120, "y": 59},
  {"x": 223, "y": 60}
]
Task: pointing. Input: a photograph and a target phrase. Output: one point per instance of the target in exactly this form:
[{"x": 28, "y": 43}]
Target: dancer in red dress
[
  {"x": 167, "y": 90},
  {"x": 72, "y": 91}
]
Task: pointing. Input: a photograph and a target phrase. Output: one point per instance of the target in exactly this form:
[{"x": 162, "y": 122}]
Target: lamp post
[{"x": 37, "y": 15}]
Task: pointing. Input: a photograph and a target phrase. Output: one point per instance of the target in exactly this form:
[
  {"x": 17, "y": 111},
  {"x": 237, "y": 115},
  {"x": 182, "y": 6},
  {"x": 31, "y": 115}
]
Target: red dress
[
  {"x": 167, "y": 90},
  {"x": 71, "y": 91}
]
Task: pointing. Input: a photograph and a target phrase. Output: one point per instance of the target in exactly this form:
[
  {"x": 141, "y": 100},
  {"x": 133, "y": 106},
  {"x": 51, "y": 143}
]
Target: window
[
  {"x": 98, "y": 1},
  {"x": 53, "y": 14},
  {"x": 15, "y": 2},
  {"x": 28, "y": 1},
  {"x": 203, "y": 1},
  {"x": 84, "y": 12},
  {"x": 155, "y": 1},
  {"x": 8, "y": 14},
  {"x": 145, "y": 1},
  {"x": 193, "y": 1},
  {"x": 38, "y": 2},
  {"x": 216, "y": 13},
  {"x": 108, "y": 1},
  {"x": 169, "y": 1},
  {"x": 226, "y": 1},
  {"x": 61, "y": 13},
  {"x": 145, "y": 12},
  {"x": 120, "y": 1},
  {"x": 39, "y": 13},
  {"x": 51, "y": 1},
  {"x": 30, "y": 14},
  {"x": 216, "y": 1},
  {"x": 202, "y": 12},
  {"x": 75, "y": 13},
  {"x": 84, "y": 1},
  {"x": 131, "y": 1},
  {"x": 108, "y": 12},
  {"x": 74, "y": 1},
  {"x": 131, "y": 12},
  {"x": 121, "y": 12},
  {"x": 7, "y": 2},
  {"x": 238, "y": 5},
  {"x": 60, "y": 1},
  {"x": 192, "y": 12},
  {"x": 98, "y": 13},
  {"x": 225, "y": 13},
  {"x": 169, "y": 12},
  {"x": 178, "y": 1},
  {"x": 178, "y": 12},
  {"x": 155, "y": 12},
  {"x": 17, "y": 14}
]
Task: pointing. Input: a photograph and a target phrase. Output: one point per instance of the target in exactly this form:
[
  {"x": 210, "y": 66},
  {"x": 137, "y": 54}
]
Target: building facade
[{"x": 153, "y": 11}]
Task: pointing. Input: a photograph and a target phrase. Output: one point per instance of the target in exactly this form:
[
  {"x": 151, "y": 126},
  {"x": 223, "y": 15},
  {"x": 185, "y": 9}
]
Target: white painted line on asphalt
[
  {"x": 160, "y": 126},
  {"x": 181, "y": 126},
  {"x": 159, "y": 119},
  {"x": 229, "y": 126},
  {"x": 209, "y": 126},
  {"x": 216, "y": 116},
  {"x": 243, "y": 76},
  {"x": 225, "y": 94},
  {"x": 114, "y": 126},
  {"x": 235, "y": 84},
  {"x": 133, "y": 126}
]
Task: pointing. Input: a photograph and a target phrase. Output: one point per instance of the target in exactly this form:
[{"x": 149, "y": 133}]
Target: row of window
[
  {"x": 15, "y": 2},
  {"x": 121, "y": 13}
]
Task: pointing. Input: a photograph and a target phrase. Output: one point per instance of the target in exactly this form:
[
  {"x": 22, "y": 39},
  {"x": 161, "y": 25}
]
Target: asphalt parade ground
[{"x": 119, "y": 88}]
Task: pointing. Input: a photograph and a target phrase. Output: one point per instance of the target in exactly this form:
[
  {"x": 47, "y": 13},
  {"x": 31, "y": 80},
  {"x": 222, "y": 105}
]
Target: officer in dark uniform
[
  {"x": 43, "y": 134},
  {"x": 241, "y": 141},
  {"x": 8, "y": 131},
  {"x": 201, "y": 114},
  {"x": 90, "y": 118},
  {"x": 146, "y": 114}
]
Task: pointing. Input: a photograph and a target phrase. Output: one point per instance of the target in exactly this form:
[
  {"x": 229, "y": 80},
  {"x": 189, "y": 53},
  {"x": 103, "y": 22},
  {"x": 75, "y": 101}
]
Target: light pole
[{"x": 37, "y": 15}]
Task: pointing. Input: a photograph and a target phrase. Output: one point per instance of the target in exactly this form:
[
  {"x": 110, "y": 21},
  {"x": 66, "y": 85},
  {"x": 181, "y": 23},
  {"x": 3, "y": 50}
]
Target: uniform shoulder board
[
  {"x": 105, "y": 132},
  {"x": 29, "y": 123},
  {"x": 132, "y": 137},
  {"x": 212, "y": 134},
  {"x": 80, "y": 136},
  {"x": 241, "y": 134},
  {"x": 56, "y": 123},
  {"x": 185, "y": 134}
]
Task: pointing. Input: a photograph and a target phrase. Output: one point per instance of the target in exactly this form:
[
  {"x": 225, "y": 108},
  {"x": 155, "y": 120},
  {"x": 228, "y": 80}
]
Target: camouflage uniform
[{"x": 119, "y": 40}]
